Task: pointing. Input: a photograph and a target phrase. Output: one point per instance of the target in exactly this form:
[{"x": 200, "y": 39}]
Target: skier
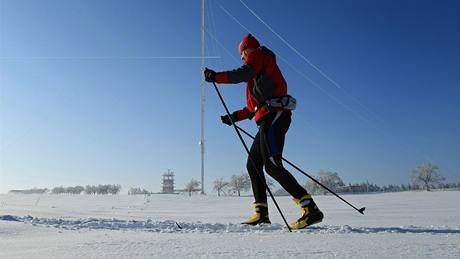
[{"x": 267, "y": 101}]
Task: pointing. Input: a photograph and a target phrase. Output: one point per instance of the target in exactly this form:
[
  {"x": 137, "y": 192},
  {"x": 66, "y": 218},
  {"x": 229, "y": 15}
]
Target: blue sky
[{"x": 88, "y": 95}]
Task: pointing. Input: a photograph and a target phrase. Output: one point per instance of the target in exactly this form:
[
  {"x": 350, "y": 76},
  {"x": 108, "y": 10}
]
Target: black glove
[
  {"x": 226, "y": 119},
  {"x": 251, "y": 115},
  {"x": 209, "y": 75}
]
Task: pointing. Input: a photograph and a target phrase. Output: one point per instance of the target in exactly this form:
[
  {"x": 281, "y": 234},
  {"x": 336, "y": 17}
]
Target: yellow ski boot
[
  {"x": 260, "y": 215},
  {"x": 309, "y": 213}
]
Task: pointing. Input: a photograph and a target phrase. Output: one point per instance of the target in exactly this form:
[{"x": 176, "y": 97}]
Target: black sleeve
[{"x": 241, "y": 74}]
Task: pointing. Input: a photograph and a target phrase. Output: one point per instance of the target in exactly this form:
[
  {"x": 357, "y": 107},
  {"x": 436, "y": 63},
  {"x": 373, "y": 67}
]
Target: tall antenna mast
[{"x": 203, "y": 97}]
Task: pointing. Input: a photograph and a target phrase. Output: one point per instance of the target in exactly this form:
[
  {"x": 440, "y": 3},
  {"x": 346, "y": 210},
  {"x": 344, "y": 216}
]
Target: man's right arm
[{"x": 242, "y": 74}]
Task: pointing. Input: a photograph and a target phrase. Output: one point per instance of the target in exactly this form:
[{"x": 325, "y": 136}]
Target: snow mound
[
  {"x": 170, "y": 226},
  {"x": 166, "y": 226}
]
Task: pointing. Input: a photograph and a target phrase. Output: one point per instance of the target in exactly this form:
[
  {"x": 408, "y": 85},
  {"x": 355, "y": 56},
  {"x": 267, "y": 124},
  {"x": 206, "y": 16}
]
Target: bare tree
[
  {"x": 90, "y": 189},
  {"x": 327, "y": 178},
  {"x": 78, "y": 189},
  {"x": 114, "y": 188},
  {"x": 219, "y": 186},
  {"x": 240, "y": 183},
  {"x": 102, "y": 189},
  {"x": 312, "y": 187},
  {"x": 426, "y": 175},
  {"x": 137, "y": 191},
  {"x": 192, "y": 186},
  {"x": 58, "y": 190}
]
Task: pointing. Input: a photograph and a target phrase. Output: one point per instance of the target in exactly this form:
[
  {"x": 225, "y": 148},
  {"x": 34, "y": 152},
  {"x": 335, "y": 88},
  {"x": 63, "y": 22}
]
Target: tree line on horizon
[
  {"x": 236, "y": 185},
  {"x": 101, "y": 189},
  {"x": 425, "y": 177}
]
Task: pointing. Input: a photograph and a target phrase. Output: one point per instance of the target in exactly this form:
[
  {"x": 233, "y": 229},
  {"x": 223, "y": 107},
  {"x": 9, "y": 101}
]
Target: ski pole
[
  {"x": 307, "y": 175},
  {"x": 249, "y": 154}
]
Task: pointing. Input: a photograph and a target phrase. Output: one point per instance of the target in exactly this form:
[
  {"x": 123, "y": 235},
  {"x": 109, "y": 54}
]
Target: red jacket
[{"x": 264, "y": 81}]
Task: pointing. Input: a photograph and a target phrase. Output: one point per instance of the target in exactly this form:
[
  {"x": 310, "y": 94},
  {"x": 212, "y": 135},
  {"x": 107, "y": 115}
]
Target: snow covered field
[{"x": 395, "y": 225}]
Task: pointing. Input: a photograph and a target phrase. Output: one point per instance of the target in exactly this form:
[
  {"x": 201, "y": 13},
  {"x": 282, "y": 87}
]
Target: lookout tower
[{"x": 168, "y": 182}]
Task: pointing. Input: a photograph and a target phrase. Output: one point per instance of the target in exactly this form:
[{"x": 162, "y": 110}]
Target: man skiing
[{"x": 268, "y": 102}]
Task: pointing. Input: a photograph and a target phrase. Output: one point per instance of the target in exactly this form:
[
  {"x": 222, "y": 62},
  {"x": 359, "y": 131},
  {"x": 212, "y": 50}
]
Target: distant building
[{"x": 168, "y": 182}]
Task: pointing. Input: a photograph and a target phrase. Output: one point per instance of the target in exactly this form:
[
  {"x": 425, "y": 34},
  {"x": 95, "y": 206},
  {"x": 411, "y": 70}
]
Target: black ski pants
[{"x": 266, "y": 151}]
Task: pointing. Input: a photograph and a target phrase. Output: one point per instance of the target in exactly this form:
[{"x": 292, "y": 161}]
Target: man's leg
[
  {"x": 272, "y": 135},
  {"x": 255, "y": 167},
  {"x": 272, "y": 142},
  {"x": 255, "y": 171}
]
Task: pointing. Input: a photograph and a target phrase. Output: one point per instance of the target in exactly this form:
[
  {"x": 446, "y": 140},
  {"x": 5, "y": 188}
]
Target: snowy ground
[{"x": 407, "y": 224}]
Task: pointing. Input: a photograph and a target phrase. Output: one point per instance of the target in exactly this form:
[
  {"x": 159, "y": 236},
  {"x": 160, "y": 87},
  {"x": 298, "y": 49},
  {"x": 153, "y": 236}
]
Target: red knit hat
[{"x": 249, "y": 42}]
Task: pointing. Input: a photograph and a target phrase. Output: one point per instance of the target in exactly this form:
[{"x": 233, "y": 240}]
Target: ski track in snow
[{"x": 170, "y": 226}]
